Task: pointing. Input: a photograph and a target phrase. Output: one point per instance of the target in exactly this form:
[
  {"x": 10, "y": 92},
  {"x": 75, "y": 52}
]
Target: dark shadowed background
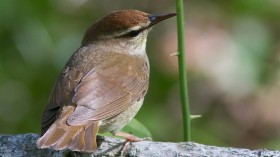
[{"x": 233, "y": 57}]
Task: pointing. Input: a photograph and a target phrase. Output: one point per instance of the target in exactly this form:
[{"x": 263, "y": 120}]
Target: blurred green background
[{"x": 233, "y": 55}]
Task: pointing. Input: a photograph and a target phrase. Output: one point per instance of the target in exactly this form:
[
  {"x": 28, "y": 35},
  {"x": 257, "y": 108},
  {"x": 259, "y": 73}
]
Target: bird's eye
[{"x": 133, "y": 33}]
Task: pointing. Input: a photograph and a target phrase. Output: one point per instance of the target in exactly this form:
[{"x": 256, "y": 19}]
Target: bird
[{"x": 103, "y": 84}]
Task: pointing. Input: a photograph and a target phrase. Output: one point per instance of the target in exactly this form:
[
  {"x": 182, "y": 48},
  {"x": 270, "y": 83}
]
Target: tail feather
[
  {"x": 66, "y": 139},
  {"x": 90, "y": 132},
  {"x": 78, "y": 142},
  {"x": 62, "y": 136},
  {"x": 50, "y": 137}
]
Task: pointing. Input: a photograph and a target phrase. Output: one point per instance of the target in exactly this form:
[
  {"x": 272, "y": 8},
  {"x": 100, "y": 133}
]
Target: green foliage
[
  {"x": 134, "y": 127},
  {"x": 137, "y": 128}
]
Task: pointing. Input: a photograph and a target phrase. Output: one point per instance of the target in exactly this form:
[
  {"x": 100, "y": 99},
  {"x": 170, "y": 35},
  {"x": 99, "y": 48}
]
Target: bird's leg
[
  {"x": 131, "y": 138},
  {"x": 128, "y": 137},
  {"x": 124, "y": 148}
]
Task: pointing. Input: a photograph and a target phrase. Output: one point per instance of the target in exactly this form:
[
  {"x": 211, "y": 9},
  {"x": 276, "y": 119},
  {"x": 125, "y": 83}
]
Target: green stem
[{"x": 183, "y": 72}]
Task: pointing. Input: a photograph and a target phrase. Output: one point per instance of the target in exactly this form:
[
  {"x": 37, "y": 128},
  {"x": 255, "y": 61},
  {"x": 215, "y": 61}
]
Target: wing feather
[
  {"x": 100, "y": 90},
  {"x": 108, "y": 91}
]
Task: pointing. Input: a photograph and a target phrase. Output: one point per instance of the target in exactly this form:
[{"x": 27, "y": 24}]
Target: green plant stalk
[{"x": 183, "y": 72}]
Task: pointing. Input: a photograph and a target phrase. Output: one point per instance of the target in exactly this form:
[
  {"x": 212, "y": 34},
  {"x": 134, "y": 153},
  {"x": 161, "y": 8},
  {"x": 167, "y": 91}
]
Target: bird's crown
[
  {"x": 127, "y": 23},
  {"x": 117, "y": 23}
]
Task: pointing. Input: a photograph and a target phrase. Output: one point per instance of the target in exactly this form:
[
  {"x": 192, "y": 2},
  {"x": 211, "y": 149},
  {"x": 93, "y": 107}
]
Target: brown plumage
[
  {"x": 102, "y": 86},
  {"x": 114, "y": 22}
]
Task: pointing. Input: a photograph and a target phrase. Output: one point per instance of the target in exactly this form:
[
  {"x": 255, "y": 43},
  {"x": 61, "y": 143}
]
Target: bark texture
[{"x": 24, "y": 145}]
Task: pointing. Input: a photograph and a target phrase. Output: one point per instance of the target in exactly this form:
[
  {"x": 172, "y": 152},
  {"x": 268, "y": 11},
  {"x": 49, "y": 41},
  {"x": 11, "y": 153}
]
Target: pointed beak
[{"x": 157, "y": 18}]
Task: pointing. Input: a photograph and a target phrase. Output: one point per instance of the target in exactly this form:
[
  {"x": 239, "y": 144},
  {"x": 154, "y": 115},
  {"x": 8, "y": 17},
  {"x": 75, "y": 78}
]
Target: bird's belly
[{"x": 116, "y": 123}]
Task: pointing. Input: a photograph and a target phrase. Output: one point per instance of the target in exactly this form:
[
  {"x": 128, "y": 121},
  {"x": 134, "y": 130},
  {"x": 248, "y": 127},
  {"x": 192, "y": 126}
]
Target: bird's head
[{"x": 126, "y": 27}]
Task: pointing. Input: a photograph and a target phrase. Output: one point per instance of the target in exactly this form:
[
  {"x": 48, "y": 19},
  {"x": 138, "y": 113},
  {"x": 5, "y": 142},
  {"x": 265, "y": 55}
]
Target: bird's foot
[
  {"x": 129, "y": 138},
  {"x": 132, "y": 138}
]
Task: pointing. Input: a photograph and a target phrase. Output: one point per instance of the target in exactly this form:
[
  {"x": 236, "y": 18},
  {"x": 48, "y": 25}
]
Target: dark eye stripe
[{"x": 131, "y": 34}]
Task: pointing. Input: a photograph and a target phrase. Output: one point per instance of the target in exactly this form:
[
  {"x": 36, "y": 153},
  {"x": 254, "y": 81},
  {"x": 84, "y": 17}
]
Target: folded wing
[{"x": 109, "y": 89}]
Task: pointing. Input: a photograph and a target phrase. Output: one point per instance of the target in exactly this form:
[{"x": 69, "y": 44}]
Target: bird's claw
[{"x": 146, "y": 139}]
